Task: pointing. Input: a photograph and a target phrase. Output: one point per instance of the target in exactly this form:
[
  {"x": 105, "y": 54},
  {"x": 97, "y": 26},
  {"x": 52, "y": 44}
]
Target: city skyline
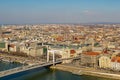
[{"x": 59, "y": 11}]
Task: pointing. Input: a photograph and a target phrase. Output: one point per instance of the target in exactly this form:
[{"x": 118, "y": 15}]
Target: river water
[
  {"x": 47, "y": 74},
  {"x": 7, "y": 65}
]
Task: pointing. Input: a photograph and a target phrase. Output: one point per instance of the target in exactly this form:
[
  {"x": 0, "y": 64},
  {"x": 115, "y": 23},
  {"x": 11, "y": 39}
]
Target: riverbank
[
  {"x": 86, "y": 71},
  {"x": 18, "y": 59}
]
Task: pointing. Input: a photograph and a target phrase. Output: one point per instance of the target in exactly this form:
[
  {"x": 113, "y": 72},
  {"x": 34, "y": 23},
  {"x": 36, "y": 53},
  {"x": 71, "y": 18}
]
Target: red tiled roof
[
  {"x": 59, "y": 38},
  {"x": 105, "y": 51},
  {"x": 12, "y": 45},
  {"x": 92, "y": 53},
  {"x": 72, "y": 51},
  {"x": 117, "y": 59},
  {"x": 113, "y": 59}
]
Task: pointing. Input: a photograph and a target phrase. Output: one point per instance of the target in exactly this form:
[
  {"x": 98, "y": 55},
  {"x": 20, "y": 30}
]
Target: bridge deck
[
  {"x": 23, "y": 68},
  {"x": 29, "y": 67}
]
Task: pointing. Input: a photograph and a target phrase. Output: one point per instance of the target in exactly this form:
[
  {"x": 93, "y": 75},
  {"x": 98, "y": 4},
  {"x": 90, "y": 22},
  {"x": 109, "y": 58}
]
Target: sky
[{"x": 59, "y": 11}]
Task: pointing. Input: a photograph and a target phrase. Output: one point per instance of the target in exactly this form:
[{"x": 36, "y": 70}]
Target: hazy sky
[{"x": 59, "y": 11}]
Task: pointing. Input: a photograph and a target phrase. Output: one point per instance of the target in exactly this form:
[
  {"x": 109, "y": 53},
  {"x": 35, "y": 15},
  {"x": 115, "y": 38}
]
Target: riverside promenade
[
  {"x": 87, "y": 71},
  {"x": 19, "y": 59}
]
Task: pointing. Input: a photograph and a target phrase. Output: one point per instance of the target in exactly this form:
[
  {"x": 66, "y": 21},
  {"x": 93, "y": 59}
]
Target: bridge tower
[{"x": 53, "y": 53}]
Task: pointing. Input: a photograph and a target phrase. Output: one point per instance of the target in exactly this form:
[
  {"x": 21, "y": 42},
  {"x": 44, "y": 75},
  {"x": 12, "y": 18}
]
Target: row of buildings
[
  {"x": 110, "y": 61},
  {"x": 31, "y": 49}
]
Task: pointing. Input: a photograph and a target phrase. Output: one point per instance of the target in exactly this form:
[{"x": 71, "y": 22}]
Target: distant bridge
[{"x": 30, "y": 67}]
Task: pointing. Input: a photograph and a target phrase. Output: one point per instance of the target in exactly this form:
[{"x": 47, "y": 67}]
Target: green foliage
[{"x": 2, "y": 45}]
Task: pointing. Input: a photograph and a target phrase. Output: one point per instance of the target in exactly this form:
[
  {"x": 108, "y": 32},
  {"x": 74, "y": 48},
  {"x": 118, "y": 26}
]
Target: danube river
[
  {"x": 47, "y": 74},
  {"x": 7, "y": 65}
]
